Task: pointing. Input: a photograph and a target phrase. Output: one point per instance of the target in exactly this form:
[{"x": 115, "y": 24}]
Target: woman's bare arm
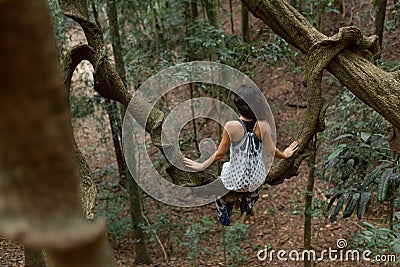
[
  {"x": 219, "y": 154},
  {"x": 269, "y": 144}
]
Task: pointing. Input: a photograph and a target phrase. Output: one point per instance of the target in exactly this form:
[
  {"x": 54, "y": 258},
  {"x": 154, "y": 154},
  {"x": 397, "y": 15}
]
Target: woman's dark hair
[{"x": 250, "y": 102}]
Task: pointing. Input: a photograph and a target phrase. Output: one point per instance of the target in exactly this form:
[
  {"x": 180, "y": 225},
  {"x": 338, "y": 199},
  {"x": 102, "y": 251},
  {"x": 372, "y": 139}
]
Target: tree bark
[
  {"x": 40, "y": 204},
  {"x": 87, "y": 186},
  {"x": 379, "y": 23},
  {"x": 116, "y": 132},
  {"x": 112, "y": 15},
  {"x": 141, "y": 251},
  {"x": 212, "y": 9},
  {"x": 245, "y": 24},
  {"x": 308, "y": 201}
]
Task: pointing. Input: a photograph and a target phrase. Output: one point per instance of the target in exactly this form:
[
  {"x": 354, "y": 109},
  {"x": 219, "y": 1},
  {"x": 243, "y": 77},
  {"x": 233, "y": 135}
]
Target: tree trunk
[
  {"x": 39, "y": 186},
  {"x": 379, "y": 23},
  {"x": 116, "y": 126},
  {"x": 87, "y": 185},
  {"x": 141, "y": 251},
  {"x": 231, "y": 17},
  {"x": 320, "y": 16},
  {"x": 245, "y": 24},
  {"x": 194, "y": 12},
  {"x": 308, "y": 201},
  {"x": 34, "y": 258},
  {"x": 212, "y": 9},
  {"x": 112, "y": 15}
]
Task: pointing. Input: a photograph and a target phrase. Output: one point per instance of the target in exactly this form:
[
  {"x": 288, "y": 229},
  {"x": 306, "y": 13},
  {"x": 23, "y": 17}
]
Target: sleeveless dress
[{"x": 245, "y": 171}]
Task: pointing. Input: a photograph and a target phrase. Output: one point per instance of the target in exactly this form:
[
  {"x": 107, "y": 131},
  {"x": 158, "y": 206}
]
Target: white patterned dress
[{"x": 245, "y": 171}]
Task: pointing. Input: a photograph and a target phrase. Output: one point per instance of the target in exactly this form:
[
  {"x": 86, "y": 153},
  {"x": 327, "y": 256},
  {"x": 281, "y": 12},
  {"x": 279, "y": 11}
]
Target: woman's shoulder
[
  {"x": 264, "y": 125},
  {"x": 233, "y": 125}
]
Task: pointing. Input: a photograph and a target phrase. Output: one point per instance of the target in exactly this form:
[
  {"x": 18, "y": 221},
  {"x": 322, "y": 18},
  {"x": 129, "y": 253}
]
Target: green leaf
[
  {"x": 351, "y": 205},
  {"x": 339, "y": 207},
  {"x": 396, "y": 246},
  {"x": 333, "y": 201},
  {"x": 341, "y": 137},
  {"x": 363, "y": 204},
  {"x": 337, "y": 194},
  {"x": 371, "y": 177},
  {"x": 336, "y": 153},
  {"x": 395, "y": 177},
  {"x": 347, "y": 170},
  {"x": 367, "y": 225},
  {"x": 383, "y": 186}
]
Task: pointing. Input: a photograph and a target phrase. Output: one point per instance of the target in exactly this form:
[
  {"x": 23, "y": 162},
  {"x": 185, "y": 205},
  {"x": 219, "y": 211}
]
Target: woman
[{"x": 250, "y": 143}]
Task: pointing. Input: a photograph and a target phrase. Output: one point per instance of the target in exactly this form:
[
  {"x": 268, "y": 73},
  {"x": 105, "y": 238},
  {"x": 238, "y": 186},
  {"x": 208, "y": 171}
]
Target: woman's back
[
  {"x": 236, "y": 128},
  {"x": 245, "y": 170}
]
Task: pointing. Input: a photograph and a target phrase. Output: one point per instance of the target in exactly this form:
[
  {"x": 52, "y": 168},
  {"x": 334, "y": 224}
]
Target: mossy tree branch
[{"x": 353, "y": 66}]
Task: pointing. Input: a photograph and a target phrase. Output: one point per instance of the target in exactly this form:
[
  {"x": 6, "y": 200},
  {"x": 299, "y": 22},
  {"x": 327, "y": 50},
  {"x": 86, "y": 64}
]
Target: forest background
[{"x": 355, "y": 171}]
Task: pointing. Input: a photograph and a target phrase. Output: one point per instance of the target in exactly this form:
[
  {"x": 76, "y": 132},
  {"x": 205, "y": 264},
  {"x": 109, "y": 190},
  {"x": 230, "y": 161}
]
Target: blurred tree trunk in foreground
[
  {"x": 39, "y": 185},
  {"x": 34, "y": 258}
]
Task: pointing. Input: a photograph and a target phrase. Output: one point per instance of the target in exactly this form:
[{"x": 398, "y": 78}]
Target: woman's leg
[
  {"x": 246, "y": 204},
  {"x": 224, "y": 210}
]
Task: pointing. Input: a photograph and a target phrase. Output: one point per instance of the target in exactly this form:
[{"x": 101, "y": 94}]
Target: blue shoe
[{"x": 224, "y": 210}]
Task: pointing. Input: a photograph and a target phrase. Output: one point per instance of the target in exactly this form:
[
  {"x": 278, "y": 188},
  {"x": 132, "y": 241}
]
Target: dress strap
[
  {"x": 244, "y": 125},
  {"x": 255, "y": 127},
  {"x": 248, "y": 125}
]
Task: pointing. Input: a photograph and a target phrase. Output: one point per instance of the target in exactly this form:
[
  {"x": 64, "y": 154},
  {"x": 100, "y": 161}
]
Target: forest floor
[{"x": 277, "y": 225}]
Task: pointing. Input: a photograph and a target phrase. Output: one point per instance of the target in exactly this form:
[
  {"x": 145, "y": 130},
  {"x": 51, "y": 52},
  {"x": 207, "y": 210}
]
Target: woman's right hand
[{"x": 193, "y": 164}]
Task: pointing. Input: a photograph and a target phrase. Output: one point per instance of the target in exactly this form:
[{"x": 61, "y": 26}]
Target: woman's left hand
[
  {"x": 193, "y": 164},
  {"x": 289, "y": 151}
]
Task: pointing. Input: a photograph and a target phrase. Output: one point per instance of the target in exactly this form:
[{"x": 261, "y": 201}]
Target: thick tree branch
[
  {"x": 87, "y": 186},
  {"x": 368, "y": 82},
  {"x": 75, "y": 56},
  {"x": 320, "y": 55},
  {"x": 78, "y": 11},
  {"x": 354, "y": 66}
]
